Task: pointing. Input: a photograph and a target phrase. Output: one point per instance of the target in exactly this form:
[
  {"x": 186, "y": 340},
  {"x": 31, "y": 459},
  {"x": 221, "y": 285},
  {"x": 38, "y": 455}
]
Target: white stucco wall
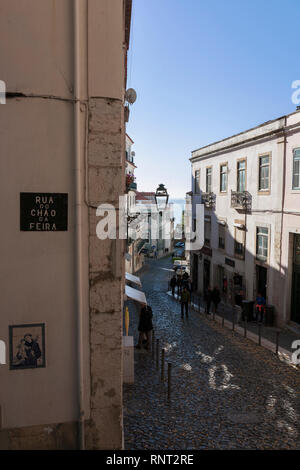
[
  {"x": 266, "y": 208},
  {"x": 37, "y": 148}
]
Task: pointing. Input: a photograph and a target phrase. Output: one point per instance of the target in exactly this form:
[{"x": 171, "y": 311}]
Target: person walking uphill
[
  {"x": 145, "y": 327},
  {"x": 216, "y": 298},
  {"x": 185, "y": 300},
  {"x": 208, "y": 299},
  {"x": 173, "y": 284}
]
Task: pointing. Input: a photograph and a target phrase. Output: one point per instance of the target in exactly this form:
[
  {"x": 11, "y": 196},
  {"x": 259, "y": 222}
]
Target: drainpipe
[
  {"x": 282, "y": 208},
  {"x": 79, "y": 198}
]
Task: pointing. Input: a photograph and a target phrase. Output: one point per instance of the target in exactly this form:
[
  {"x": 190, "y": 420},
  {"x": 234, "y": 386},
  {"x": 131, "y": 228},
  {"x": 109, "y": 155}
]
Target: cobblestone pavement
[
  {"x": 227, "y": 392},
  {"x": 286, "y": 338}
]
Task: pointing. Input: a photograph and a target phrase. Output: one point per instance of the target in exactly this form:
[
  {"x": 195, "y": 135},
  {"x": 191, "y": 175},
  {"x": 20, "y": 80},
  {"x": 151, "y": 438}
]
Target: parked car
[
  {"x": 181, "y": 266},
  {"x": 179, "y": 245}
]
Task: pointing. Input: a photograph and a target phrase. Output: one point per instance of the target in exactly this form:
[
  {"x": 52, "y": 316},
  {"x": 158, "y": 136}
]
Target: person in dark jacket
[
  {"x": 208, "y": 299},
  {"x": 186, "y": 282},
  {"x": 173, "y": 284},
  {"x": 145, "y": 327},
  {"x": 216, "y": 298},
  {"x": 185, "y": 300},
  {"x": 179, "y": 285}
]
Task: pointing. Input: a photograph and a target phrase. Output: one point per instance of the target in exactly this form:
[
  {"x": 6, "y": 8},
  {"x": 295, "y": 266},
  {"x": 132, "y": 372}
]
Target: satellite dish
[
  {"x": 133, "y": 154},
  {"x": 130, "y": 95}
]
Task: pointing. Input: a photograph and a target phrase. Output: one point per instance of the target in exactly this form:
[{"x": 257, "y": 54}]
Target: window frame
[
  {"x": 237, "y": 254},
  {"x": 223, "y": 248},
  {"x": 205, "y": 224},
  {"x": 195, "y": 182},
  {"x": 223, "y": 164},
  {"x": 211, "y": 182},
  {"x": 266, "y": 191},
  {"x": 293, "y": 162},
  {"x": 260, "y": 258},
  {"x": 240, "y": 160}
]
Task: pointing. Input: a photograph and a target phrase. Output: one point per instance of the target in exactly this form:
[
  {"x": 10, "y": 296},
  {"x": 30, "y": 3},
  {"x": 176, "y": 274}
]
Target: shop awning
[
  {"x": 134, "y": 279},
  {"x": 136, "y": 295}
]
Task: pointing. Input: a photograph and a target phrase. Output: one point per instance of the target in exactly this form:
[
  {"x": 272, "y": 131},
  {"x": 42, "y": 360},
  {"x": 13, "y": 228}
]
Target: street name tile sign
[
  {"x": 43, "y": 212},
  {"x": 230, "y": 262}
]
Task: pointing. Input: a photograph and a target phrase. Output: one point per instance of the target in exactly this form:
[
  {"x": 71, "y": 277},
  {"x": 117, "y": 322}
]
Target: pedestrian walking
[
  {"x": 216, "y": 298},
  {"x": 208, "y": 299},
  {"x": 179, "y": 285},
  {"x": 173, "y": 284},
  {"x": 185, "y": 300},
  {"x": 145, "y": 327},
  {"x": 260, "y": 307}
]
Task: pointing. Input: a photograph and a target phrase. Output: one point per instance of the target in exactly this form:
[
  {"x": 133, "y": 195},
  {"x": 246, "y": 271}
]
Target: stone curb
[{"x": 284, "y": 353}]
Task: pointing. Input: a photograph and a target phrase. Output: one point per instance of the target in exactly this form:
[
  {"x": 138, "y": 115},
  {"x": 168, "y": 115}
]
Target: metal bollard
[
  {"x": 162, "y": 365},
  {"x": 245, "y": 328},
  {"x": 169, "y": 381},
  {"x": 259, "y": 334},
  {"x": 277, "y": 341},
  {"x": 233, "y": 320},
  {"x": 157, "y": 354}
]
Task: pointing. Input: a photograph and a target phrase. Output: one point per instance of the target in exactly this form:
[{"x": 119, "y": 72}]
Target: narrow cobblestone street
[{"x": 227, "y": 392}]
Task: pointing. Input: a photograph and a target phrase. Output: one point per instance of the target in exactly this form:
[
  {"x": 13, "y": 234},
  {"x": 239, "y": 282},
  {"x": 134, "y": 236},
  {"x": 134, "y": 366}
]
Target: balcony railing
[
  {"x": 241, "y": 200},
  {"x": 208, "y": 199}
]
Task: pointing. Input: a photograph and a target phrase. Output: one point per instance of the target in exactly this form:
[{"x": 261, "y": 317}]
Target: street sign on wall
[
  {"x": 230, "y": 262},
  {"x": 43, "y": 212}
]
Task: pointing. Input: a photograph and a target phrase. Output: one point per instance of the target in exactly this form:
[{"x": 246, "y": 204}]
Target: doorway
[
  {"x": 295, "y": 308},
  {"x": 261, "y": 281}
]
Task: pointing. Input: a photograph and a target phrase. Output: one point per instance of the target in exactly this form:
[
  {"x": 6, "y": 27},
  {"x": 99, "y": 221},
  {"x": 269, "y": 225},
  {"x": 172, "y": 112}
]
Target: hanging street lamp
[{"x": 161, "y": 198}]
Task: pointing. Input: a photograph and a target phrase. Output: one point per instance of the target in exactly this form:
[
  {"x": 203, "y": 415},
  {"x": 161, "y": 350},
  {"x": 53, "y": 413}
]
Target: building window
[
  {"x": 296, "y": 169},
  {"x": 221, "y": 236},
  {"x": 197, "y": 182},
  {"x": 239, "y": 242},
  {"x": 264, "y": 173},
  {"x": 241, "y": 176},
  {"x": 262, "y": 237},
  {"x": 223, "y": 178},
  {"x": 208, "y": 179},
  {"x": 207, "y": 231}
]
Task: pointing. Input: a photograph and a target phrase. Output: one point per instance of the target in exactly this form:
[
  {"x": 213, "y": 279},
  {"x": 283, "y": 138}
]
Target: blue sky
[{"x": 205, "y": 70}]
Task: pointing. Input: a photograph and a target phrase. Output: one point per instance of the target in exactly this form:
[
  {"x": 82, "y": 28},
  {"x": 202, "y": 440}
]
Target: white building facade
[{"x": 249, "y": 184}]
